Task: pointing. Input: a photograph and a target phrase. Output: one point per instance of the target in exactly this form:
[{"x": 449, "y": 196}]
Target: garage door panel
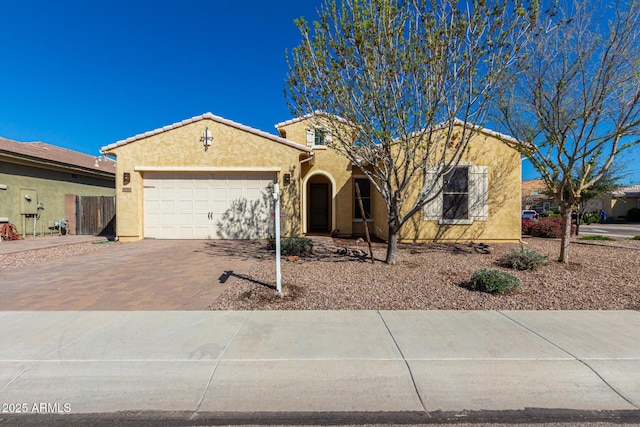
[
  {"x": 219, "y": 193},
  {"x": 185, "y": 193},
  {"x": 219, "y": 206},
  {"x": 167, "y": 192},
  {"x": 200, "y": 205},
  {"x": 235, "y": 194},
  {"x": 167, "y": 205},
  {"x": 186, "y": 205},
  {"x": 207, "y": 205}
]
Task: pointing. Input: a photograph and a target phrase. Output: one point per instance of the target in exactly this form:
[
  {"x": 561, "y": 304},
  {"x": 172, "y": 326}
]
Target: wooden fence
[{"x": 96, "y": 215}]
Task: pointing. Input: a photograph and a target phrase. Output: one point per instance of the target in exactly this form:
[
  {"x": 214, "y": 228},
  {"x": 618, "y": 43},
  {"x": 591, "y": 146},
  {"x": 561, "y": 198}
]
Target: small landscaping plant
[
  {"x": 494, "y": 281},
  {"x": 523, "y": 259},
  {"x": 296, "y": 246},
  {"x": 635, "y": 238},
  {"x": 292, "y": 246},
  {"x": 597, "y": 238}
]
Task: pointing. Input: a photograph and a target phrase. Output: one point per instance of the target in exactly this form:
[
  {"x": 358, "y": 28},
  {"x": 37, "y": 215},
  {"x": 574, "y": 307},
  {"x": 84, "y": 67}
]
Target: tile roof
[
  {"x": 308, "y": 116},
  {"x": 633, "y": 190},
  {"x": 211, "y": 117},
  {"x": 57, "y": 156}
]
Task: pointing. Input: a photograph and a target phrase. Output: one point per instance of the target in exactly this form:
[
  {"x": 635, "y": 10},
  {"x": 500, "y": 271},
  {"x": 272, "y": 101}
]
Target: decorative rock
[{"x": 293, "y": 258}]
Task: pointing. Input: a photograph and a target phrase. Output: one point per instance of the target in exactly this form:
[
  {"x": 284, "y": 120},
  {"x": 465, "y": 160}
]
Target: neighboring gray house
[{"x": 39, "y": 184}]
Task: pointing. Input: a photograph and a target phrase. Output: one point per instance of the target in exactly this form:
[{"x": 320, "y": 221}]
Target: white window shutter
[
  {"x": 479, "y": 193},
  {"x": 433, "y": 209},
  {"x": 327, "y": 137},
  {"x": 311, "y": 136}
]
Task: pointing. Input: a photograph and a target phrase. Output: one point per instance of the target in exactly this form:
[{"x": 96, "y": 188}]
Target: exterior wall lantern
[{"x": 206, "y": 139}]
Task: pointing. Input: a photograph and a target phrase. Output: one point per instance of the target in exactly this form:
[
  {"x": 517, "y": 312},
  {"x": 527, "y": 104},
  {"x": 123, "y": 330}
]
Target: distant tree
[
  {"x": 397, "y": 74},
  {"x": 574, "y": 104}
]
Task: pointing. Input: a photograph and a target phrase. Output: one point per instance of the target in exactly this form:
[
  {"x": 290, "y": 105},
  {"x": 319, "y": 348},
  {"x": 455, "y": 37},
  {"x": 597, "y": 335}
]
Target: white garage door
[{"x": 208, "y": 205}]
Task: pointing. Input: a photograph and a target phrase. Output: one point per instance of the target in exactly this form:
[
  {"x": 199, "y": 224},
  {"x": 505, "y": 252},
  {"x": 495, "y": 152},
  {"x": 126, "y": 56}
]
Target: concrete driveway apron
[{"x": 144, "y": 275}]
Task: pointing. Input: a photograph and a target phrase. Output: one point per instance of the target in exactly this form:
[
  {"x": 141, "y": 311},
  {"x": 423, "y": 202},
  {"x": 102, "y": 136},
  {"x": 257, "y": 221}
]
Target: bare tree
[
  {"x": 575, "y": 106},
  {"x": 396, "y": 76}
]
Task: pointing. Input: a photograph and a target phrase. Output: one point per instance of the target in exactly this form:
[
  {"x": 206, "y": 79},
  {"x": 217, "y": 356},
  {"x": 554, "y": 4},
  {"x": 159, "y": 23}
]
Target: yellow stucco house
[{"x": 211, "y": 178}]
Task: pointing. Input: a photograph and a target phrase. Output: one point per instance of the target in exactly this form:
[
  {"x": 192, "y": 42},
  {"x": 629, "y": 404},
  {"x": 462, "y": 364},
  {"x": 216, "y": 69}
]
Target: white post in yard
[{"x": 276, "y": 197}]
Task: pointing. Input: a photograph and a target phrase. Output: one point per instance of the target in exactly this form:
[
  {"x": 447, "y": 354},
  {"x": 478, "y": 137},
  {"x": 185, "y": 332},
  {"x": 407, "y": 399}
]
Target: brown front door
[{"x": 319, "y": 207}]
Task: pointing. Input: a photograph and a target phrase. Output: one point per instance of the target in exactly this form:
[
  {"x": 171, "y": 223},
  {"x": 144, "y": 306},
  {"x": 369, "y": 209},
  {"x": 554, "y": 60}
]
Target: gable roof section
[
  {"x": 57, "y": 156},
  {"x": 215, "y": 118},
  {"x": 308, "y": 116}
]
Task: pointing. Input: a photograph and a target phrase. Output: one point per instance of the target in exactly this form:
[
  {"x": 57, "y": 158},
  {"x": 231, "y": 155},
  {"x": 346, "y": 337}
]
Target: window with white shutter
[{"x": 464, "y": 196}]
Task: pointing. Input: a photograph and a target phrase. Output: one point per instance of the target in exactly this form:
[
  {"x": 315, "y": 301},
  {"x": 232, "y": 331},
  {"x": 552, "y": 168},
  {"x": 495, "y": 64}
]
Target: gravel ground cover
[
  {"x": 21, "y": 259},
  {"x": 602, "y": 276},
  {"x": 339, "y": 276}
]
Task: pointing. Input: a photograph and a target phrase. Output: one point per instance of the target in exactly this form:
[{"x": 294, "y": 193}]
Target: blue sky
[{"x": 85, "y": 74}]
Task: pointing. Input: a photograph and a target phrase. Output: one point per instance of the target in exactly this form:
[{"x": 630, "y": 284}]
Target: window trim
[
  {"x": 311, "y": 137},
  {"x": 466, "y": 193}
]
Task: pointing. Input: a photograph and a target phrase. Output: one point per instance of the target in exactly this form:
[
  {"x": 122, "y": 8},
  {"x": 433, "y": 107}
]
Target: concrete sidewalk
[{"x": 304, "y": 367}]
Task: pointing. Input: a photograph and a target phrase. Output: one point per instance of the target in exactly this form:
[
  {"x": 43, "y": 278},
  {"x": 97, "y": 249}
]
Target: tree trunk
[
  {"x": 566, "y": 234},
  {"x": 392, "y": 246},
  {"x": 394, "y": 229}
]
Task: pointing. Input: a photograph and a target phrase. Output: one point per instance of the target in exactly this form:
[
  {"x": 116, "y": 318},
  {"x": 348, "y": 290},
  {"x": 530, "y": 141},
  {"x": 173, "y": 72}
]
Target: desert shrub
[
  {"x": 635, "y": 238},
  {"x": 633, "y": 215},
  {"x": 522, "y": 259},
  {"x": 494, "y": 281},
  {"x": 298, "y": 246},
  {"x": 547, "y": 227},
  {"x": 526, "y": 226},
  {"x": 597, "y": 238},
  {"x": 591, "y": 218}
]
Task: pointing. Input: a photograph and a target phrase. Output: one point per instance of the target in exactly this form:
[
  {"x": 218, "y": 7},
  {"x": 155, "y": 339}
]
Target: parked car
[{"x": 529, "y": 214}]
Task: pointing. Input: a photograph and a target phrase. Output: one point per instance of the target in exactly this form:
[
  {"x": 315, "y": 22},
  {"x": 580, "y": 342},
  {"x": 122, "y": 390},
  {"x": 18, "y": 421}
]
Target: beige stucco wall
[
  {"x": 51, "y": 184},
  {"x": 504, "y": 174},
  {"x": 504, "y": 188},
  {"x": 335, "y": 167},
  {"x": 620, "y": 206},
  {"x": 181, "y": 149}
]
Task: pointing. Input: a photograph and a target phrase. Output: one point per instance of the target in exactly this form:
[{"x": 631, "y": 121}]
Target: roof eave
[{"x": 210, "y": 116}]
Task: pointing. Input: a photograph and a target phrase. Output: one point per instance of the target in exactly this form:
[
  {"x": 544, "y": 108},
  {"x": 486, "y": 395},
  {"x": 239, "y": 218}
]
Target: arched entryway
[{"x": 319, "y": 203}]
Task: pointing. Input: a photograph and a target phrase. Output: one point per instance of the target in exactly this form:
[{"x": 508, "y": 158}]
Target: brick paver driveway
[{"x": 145, "y": 275}]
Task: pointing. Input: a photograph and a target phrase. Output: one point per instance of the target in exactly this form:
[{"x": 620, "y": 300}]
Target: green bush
[
  {"x": 597, "y": 238},
  {"x": 298, "y": 246},
  {"x": 635, "y": 238},
  {"x": 494, "y": 281},
  {"x": 523, "y": 259},
  {"x": 590, "y": 218}
]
